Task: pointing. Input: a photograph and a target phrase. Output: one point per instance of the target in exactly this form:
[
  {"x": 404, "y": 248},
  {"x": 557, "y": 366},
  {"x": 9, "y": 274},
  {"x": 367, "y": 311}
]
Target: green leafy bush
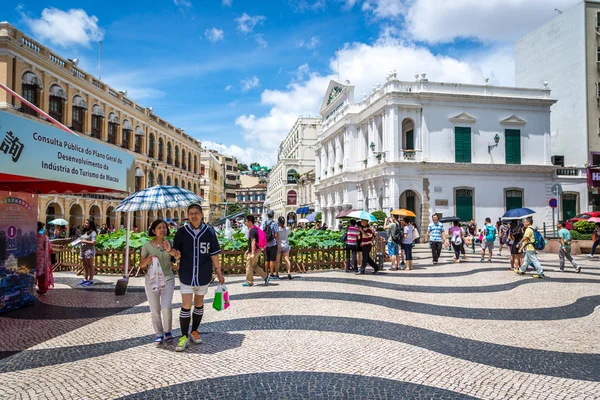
[
  {"x": 380, "y": 215},
  {"x": 319, "y": 216},
  {"x": 584, "y": 227},
  {"x": 580, "y": 236}
]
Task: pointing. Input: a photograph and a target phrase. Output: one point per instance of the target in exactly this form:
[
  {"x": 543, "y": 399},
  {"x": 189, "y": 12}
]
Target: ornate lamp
[
  {"x": 372, "y": 146},
  {"x": 496, "y": 141}
]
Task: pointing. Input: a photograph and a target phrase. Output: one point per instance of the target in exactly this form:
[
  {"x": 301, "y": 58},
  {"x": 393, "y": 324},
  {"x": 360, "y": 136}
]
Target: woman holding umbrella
[{"x": 366, "y": 243}]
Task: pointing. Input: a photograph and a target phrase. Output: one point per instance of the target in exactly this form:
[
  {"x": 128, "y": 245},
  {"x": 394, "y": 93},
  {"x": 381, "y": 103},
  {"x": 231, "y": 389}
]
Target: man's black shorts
[{"x": 271, "y": 253}]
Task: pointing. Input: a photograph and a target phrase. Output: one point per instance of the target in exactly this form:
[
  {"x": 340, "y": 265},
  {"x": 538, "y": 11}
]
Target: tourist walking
[
  {"x": 352, "y": 233},
  {"x": 392, "y": 225},
  {"x": 457, "y": 239},
  {"x": 435, "y": 237},
  {"x": 502, "y": 238},
  {"x": 564, "y": 248},
  {"x": 528, "y": 247},
  {"x": 487, "y": 242},
  {"x": 407, "y": 242},
  {"x": 199, "y": 250},
  {"x": 366, "y": 243},
  {"x": 596, "y": 239},
  {"x": 43, "y": 263},
  {"x": 253, "y": 253},
  {"x": 88, "y": 252},
  {"x": 515, "y": 235},
  {"x": 270, "y": 228},
  {"x": 283, "y": 248},
  {"x": 161, "y": 300}
]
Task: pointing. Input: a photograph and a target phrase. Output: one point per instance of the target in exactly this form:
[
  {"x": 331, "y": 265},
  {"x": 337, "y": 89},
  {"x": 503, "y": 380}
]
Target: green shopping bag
[{"x": 221, "y": 300}]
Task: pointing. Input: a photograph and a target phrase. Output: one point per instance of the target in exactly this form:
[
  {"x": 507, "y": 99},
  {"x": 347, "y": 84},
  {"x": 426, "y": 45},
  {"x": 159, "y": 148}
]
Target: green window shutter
[
  {"x": 464, "y": 204},
  {"x": 514, "y": 199},
  {"x": 410, "y": 140},
  {"x": 513, "y": 146},
  {"x": 462, "y": 144}
]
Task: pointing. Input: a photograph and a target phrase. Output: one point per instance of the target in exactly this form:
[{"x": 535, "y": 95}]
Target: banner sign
[
  {"x": 292, "y": 198},
  {"x": 593, "y": 177},
  {"x": 18, "y": 241},
  {"x": 34, "y": 149}
]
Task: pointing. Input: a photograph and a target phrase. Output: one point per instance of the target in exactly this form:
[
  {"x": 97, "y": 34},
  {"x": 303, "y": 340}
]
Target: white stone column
[
  {"x": 392, "y": 134},
  {"x": 350, "y": 142},
  {"x": 318, "y": 164}
]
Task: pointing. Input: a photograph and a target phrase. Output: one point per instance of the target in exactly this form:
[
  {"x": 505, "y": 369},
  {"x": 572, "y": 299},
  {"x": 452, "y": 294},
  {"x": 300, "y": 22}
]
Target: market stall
[{"x": 39, "y": 158}]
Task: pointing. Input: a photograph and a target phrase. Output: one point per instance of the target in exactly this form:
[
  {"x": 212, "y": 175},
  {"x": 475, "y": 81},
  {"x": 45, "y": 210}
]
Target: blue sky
[{"x": 236, "y": 73}]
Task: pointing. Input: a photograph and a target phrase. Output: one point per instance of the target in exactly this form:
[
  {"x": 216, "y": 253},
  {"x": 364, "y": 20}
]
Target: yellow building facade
[
  {"x": 212, "y": 186},
  {"x": 164, "y": 154}
]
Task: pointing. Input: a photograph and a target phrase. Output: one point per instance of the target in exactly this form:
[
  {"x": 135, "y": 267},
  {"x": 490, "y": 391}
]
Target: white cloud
[
  {"x": 250, "y": 83},
  {"x": 304, "y": 5},
  {"x": 228, "y": 88},
  {"x": 364, "y": 65},
  {"x": 386, "y": 8},
  {"x": 489, "y": 20},
  {"x": 183, "y": 4},
  {"x": 244, "y": 155},
  {"x": 65, "y": 28},
  {"x": 214, "y": 34},
  {"x": 260, "y": 40},
  {"x": 227, "y": 3},
  {"x": 135, "y": 85},
  {"x": 246, "y": 23},
  {"x": 313, "y": 42}
]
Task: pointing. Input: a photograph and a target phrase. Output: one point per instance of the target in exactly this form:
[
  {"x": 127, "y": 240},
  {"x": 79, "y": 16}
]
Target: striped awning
[
  {"x": 139, "y": 131},
  {"x": 57, "y": 91},
  {"x": 97, "y": 110},
  {"x": 127, "y": 125},
  {"x": 78, "y": 101},
  {"x": 29, "y": 78}
]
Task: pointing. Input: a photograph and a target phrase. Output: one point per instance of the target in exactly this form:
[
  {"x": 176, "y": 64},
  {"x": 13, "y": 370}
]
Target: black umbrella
[{"x": 450, "y": 219}]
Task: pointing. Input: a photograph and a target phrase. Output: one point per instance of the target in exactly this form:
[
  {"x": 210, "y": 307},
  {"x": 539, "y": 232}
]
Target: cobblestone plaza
[{"x": 469, "y": 330}]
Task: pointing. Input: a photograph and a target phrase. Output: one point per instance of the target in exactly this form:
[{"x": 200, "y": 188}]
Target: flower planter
[{"x": 577, "y": 247}]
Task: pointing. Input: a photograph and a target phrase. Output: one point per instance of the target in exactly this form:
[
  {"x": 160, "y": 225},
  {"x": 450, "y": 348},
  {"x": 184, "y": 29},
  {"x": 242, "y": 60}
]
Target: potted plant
[
  {"x": 365, "y": 161},
  {"x": 340, "y": 166},
  {"x": 378, "y": 157}
]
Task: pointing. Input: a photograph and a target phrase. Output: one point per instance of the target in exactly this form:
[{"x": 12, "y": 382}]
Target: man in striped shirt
[
  {"x": 351, "y": 245},
  {"x": 435, "y": 236}
]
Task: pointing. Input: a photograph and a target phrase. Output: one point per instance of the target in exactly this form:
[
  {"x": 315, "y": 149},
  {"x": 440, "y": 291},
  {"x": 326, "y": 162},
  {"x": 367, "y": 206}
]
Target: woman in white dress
[{"x": 283, "y": 246}]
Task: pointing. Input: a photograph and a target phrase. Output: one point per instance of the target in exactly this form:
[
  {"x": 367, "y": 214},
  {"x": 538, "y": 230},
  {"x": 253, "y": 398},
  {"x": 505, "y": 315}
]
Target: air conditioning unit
[{"x": 558, "y": 160}]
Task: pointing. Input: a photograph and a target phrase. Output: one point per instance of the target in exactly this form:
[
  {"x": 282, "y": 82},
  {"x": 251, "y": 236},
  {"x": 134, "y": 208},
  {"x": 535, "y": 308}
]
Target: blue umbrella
[
  {"x": 157, "y": 198},
  {"x": 362, "y": 215},
  {"x": 518, "y": 213},
  {"x": 311, "y": 217}
]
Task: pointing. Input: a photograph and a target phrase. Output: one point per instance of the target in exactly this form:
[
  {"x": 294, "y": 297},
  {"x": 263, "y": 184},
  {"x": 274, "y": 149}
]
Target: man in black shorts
[{"x": 270, "y": 228}]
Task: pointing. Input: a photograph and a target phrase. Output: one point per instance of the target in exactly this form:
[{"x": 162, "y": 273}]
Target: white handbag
[{"x": 155, "y": 278}]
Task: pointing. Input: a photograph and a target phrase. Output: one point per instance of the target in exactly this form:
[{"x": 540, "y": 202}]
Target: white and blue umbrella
[
  {"x": 157, "y": 198},
  {"x": 154, "y": 198},
  {"x": 311, "y": 217},
  {"x": 362, "y": 215},
  {"x": 518, "y": 213}
]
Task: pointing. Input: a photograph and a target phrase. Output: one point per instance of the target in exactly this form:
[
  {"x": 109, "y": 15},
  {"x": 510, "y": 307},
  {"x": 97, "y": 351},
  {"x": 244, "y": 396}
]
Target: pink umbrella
[{"x": 593, "y": 219}]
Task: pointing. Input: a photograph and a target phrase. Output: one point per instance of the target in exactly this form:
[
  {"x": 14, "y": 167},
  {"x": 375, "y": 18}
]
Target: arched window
[
  {"x": 151, "y": 145},
  {"x": 183, "y": 164},
  {"x": 168, "y": 181},
  {"x": 160, "y": 179},
  {"x": 195, "y": 188},
  {"x": 139, "y": 134},
  {"x": 113, "y": 127},
  {"x": 150, "y": 179},
  {"x": 183, "y": 184},
  {"x": 169, "y": 154},
  {"x": 195, "y": 164},
  {"x": 57, "y": 100},
  {"x": 79, "y": 108},
  {"x": 189, "y": 186},
  {"x": 29, "y": 90},
  {"x": 127, "y": 132},
  {"x": 161, "y": 149},
  {"x": 176, "y": 183},
  {"x": 189, "y": 162},
  {"x": 97, "y": 118},
  {"x": 177, "y": 156}
]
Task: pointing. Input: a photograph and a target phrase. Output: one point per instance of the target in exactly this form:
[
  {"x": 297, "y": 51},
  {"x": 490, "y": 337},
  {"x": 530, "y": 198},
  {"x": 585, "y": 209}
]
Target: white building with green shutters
[{"x": 473, "y": 151}]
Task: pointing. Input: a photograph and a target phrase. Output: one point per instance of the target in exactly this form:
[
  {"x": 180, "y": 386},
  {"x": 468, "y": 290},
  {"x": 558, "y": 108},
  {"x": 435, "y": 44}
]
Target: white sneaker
[{"x": 589, "y": 255}]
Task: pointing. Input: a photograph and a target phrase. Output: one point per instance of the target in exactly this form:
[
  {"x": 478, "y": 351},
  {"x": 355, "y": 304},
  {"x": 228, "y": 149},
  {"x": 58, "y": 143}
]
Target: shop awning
[
  {"x": 112, "y": 118},
  {"x": 303, "y": 210},
  {"x": 78, "y": 101},
  {"x": 57, "y": 91},
  {"x": 39, "y": 158},
  {"x": 139, "y": 131},
  {"x": 343, "y": 213},
  {"x": 127, "y": 125},
  {"x": 97, "y": 110},
  {"x": 29, "y": 78}
]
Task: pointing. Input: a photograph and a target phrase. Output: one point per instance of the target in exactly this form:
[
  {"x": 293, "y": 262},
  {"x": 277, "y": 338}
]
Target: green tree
[
  {"x": 380, "y": 215},
  {"x": 319, "y": 216},
  {"x": 242, "y": 167},
  {"x": 234, "y": 208},
  {"x": 254, "y": 164}
]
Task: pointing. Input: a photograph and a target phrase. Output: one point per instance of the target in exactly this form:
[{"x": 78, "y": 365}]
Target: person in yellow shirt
[{"x": 527, "y": 246}]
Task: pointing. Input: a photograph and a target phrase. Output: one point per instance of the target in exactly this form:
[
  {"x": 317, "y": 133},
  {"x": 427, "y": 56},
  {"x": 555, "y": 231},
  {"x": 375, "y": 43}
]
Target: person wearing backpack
[
  {"x": 503, "y": 238},
  {"x": 457, "y": 240},
  {"x": 564, "y": 248},
  {"x": 271, "y": 230},
  {"x": 528, "y": 246},
  {"x": 256, "y": 239},
  {"x": 489, "y": 235},
  {"x": 394, "y": 240}
]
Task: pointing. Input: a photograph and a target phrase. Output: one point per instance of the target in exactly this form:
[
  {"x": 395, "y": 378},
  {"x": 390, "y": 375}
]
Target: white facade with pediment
[{"x": 431, "y": 147}]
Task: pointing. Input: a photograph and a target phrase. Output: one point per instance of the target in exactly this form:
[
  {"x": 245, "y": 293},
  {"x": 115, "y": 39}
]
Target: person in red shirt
[{"x": 366, "y": 243}]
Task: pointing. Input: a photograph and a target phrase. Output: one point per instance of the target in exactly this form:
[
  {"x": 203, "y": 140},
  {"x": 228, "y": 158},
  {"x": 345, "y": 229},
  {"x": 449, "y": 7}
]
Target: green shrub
[
  {"x": 584, "y": 226},
  {"x": 380, "y": 215},
  {"x": 580, "y": 236},
  {"x": 319, "y": 216}
]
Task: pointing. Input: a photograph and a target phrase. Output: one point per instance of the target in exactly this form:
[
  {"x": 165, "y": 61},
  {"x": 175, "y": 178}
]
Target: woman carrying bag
[{"x": 160, "y": 298}]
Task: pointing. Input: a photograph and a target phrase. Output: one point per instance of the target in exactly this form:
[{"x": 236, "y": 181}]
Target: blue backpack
[
  {"x": 490, "y": 233},
  {"x": 539, "y": 242}
]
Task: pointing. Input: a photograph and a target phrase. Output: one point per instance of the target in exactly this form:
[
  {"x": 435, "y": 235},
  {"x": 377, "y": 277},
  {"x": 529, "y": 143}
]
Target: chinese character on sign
[{"x": 12, "y": 146}]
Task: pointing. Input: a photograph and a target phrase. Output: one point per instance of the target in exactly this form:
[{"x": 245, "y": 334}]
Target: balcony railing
[{"x": 567, "y": 172}]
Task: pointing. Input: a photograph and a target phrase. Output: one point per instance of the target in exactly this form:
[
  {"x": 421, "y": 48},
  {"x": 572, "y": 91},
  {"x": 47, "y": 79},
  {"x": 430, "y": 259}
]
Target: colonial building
[
  {"x": 296, "y": 156},
  {"x": 232, "y": 175},
  {"x": 565, "y": 52},
  {"x": 165, "y": 154},
  {"x": 306, "y": 193},
  {"x": 212, "y": 186},
  {"x": 473, "y": 151},
  {"x": 253, "y": 198}
]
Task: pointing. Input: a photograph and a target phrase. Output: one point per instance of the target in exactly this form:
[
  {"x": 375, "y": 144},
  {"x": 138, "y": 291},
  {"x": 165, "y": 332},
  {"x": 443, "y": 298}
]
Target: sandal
[
  {"x": 168, "y": 338},
  {"x": 158, "y": 340}
]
